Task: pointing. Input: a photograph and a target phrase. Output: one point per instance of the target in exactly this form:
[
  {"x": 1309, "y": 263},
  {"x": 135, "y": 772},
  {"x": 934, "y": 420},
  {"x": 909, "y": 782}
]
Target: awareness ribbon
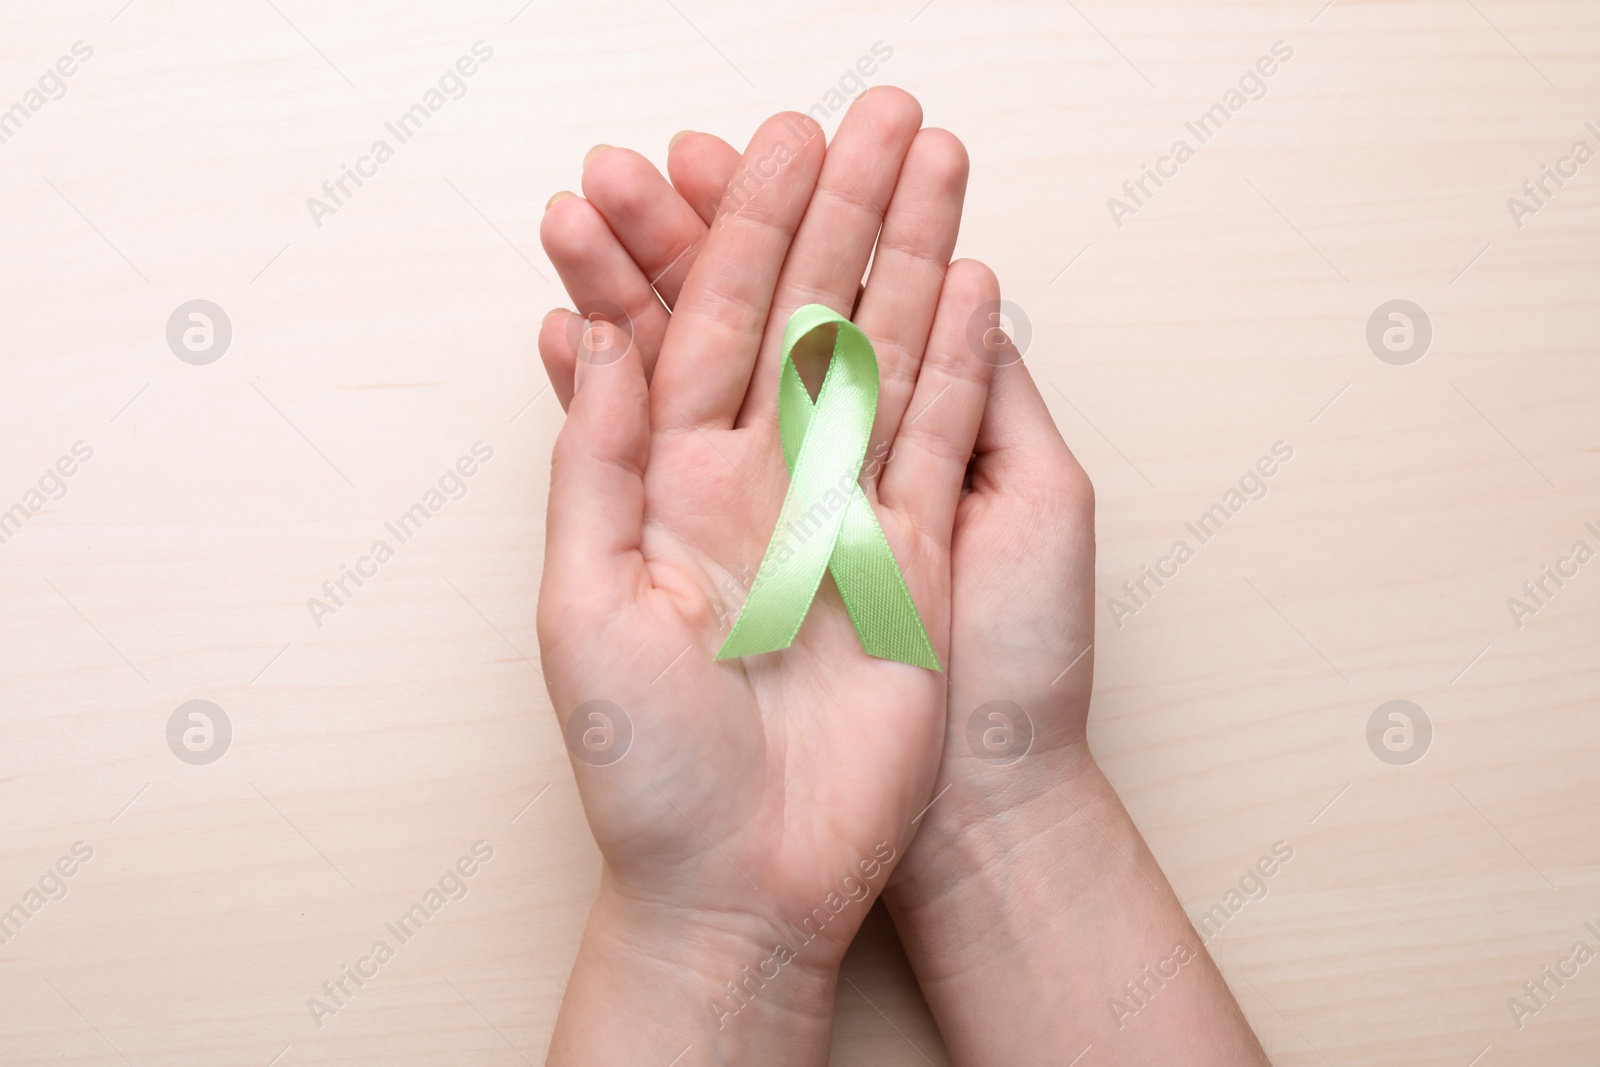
[{"x": 826, "y": 522}]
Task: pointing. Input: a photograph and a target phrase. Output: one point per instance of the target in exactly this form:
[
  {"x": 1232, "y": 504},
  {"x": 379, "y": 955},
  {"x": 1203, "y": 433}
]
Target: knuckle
[{"x": 1070, "y": 485}]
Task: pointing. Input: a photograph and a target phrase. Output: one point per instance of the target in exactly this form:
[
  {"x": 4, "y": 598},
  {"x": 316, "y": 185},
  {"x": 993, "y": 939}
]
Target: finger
[
  {"x": 721, "y": 314},
  {"x": 558, "y": 352},
  {"x": 705, "y": 163},
  {"x": 1019, "y": 449},
  {"x": 567, "y": 339},
  {"x": 834, "y": 243},
  {"x": 908, "y": 268},
  {"x": 934, "y": 442},
  {"x": 596, "y": 514},
  {"x": 600, "y": 276},
  {"x": 648, "y": 216},
  {"x": 701, "y": 166},
  {"x": 1020, "y": 455}
]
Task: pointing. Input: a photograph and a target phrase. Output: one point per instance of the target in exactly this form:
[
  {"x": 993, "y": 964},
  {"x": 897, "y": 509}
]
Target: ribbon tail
[
  {"x": 773, "y": 612},
  {"x": 874, "y": 590}
]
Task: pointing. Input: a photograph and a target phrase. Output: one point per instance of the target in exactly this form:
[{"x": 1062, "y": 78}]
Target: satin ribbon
[{"x": 826, "y": 522}]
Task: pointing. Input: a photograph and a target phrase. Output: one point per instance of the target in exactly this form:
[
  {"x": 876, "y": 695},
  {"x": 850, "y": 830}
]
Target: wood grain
[{"x": 374, "y": 746}]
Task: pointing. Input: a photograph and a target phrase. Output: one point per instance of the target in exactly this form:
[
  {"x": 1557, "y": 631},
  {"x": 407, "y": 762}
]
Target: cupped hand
[
  {"x": 756, "y": 793},
  {"x": 1022, "y": 554}
]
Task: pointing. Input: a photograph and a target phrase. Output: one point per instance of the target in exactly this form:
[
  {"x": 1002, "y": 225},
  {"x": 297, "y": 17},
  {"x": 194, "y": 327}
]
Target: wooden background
[{"x": 368, "y": 353}]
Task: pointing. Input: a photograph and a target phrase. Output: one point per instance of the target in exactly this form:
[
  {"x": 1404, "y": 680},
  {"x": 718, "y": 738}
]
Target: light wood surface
[{"x": 371, "y": 752}]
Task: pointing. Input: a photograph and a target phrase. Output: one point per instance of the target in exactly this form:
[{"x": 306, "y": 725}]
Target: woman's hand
[{"x": 762, "y": 802}]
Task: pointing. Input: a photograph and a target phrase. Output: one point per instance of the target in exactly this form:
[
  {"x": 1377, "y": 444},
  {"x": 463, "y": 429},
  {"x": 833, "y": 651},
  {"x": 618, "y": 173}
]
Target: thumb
[{"x": 1019, "y": 448}]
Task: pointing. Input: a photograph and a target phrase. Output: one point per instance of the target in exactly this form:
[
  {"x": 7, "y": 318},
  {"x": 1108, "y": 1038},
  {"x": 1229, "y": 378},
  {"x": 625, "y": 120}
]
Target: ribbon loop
[{"x": 826, "y": 522}]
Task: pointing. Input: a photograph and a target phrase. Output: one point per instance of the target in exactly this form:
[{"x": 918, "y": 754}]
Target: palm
[{"x": 781, "y": 771}]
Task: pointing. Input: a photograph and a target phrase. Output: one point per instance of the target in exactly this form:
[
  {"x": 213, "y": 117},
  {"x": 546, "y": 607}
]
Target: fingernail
[
  {"x": 563, "y": 194},
  {"x": 579, "y": 372},
  {"x": 552, "y": 311},
  {"x": 680, "y": 135},
  {"x": 593, "y": 152}
]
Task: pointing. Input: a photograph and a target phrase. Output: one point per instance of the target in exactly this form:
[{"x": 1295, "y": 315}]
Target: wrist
[
  {"x": 652, "y": 977},
  {"x": 733, "y": 961},
  {"x": 1005, "y": 848},
  {"x": 986, "y": 810},
  {"x": 1051, "y": 885}
]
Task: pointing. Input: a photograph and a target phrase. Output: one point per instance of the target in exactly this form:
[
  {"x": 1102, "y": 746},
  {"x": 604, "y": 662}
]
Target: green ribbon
[{"x": 826, "y": 522}]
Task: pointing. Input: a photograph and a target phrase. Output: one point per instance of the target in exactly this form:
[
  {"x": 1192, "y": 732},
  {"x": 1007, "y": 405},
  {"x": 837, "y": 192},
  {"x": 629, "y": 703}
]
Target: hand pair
[{"x": 760, "y": 804}]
